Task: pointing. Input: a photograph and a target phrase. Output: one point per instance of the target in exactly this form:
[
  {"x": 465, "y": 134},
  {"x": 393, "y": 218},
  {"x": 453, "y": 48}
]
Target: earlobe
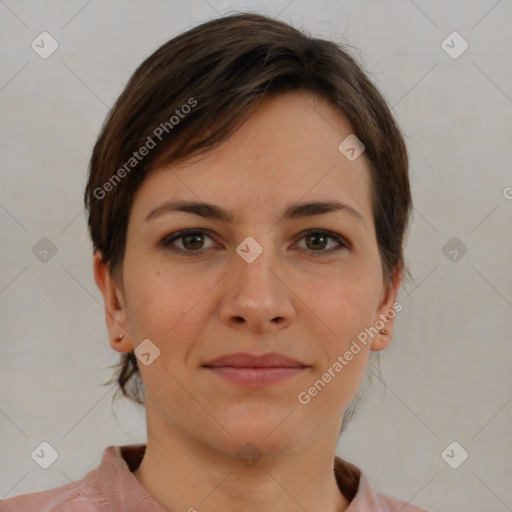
[
  {"x": 115, "y": 313},
  {"x": 381, "y": 340},
  {"x": 385, "y": 319}
]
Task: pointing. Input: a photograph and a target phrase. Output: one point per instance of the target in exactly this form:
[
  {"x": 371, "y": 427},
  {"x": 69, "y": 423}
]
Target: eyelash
[{"x": 167, "y": 241}]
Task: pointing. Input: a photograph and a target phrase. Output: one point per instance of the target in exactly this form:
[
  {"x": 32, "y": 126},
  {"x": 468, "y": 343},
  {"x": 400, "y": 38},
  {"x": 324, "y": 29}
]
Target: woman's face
[{"x": 258, "y": 283}]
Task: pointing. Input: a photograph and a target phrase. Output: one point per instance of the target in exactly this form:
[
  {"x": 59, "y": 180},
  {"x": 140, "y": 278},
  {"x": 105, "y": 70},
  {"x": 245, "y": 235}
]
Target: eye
[
  {"x": 319, "y": 238},
  {"x": 192, "y": 241}
]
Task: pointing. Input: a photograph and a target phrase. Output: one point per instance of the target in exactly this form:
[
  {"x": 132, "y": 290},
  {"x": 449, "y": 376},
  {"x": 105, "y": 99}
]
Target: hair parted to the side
[{"x": 226, "y": 66}]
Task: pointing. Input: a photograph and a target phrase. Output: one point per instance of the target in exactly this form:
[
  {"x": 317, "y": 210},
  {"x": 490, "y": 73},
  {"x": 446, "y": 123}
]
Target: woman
[{"x": 248, "y": 199}]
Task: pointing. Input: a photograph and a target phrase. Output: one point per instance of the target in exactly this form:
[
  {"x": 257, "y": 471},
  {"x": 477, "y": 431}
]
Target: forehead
[{"x": 286, "y": 152}]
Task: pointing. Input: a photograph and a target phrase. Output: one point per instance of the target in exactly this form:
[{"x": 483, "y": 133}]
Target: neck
[{"x": 182, "y": 474}]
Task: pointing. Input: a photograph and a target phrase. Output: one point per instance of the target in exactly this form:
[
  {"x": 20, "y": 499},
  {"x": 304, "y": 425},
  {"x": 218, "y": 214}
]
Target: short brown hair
[{"x": 223, "y": 68}]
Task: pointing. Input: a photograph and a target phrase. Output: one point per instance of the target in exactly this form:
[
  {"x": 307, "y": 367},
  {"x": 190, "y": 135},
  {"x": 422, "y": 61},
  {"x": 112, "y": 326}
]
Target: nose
[{"x": 257, "y": 296}]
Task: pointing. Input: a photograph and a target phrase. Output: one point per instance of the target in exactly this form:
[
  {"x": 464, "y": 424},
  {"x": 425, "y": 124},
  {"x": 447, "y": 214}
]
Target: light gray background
[{"x": 447, "y": 372}]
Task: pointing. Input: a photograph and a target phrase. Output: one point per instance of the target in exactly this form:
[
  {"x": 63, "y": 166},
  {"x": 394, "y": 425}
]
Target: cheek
[
  {"x": 347, "y": 309},
  {"x": 333, "y": 386},
  {"x": 348, "y": 305},
  {"x": 163, "y": 302}
]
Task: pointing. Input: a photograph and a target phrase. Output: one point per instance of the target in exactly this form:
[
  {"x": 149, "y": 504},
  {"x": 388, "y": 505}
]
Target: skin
[{"x": 297, "y": 298}]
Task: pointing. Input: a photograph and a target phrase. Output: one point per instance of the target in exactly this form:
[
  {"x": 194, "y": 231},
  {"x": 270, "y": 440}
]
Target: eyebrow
[{"x": 294, "y": 211}]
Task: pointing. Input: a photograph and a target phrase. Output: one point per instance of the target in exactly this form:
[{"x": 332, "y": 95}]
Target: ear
[
  {"x": 387, "y": 310},
  {"x": 115, "y": 307}
]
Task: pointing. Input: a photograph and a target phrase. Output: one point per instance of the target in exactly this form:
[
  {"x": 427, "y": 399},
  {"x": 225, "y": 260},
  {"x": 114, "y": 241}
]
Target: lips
[
  {"x": 245, "y": 360},
  {"x": 248, "y": 370}
]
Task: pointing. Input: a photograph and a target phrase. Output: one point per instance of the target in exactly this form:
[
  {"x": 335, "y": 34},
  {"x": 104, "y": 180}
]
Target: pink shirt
[{"x": 112, "y": 487}]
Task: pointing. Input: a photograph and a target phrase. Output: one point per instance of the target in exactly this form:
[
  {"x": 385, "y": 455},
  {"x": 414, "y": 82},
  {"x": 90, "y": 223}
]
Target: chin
[
  {"x": 256, "y": 445},
  {"x": 271, "y": 430}
]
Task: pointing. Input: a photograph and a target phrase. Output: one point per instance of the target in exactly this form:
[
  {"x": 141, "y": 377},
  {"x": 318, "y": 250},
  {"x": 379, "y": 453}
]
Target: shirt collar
[{"x": 122, "y": 491}]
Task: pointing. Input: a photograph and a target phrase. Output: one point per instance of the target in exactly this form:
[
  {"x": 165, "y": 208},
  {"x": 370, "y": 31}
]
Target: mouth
[{"x": 255, "y": 371}]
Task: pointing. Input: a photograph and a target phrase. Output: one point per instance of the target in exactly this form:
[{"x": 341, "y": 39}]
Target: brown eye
[
  {"x": 192, "y": 241},
  {"x": 318, "y": 240}
]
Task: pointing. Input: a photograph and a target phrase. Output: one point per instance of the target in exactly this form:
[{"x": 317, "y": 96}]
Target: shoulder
[
  {"x": 110, "y": 486},
  {"x": 355, "y": 486},
  {"x": 84, "y": 495},
  {"x": 70, "y": 497},
  {"x": 389, "y": 504},
  {"x": 370, "y": 500}
]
